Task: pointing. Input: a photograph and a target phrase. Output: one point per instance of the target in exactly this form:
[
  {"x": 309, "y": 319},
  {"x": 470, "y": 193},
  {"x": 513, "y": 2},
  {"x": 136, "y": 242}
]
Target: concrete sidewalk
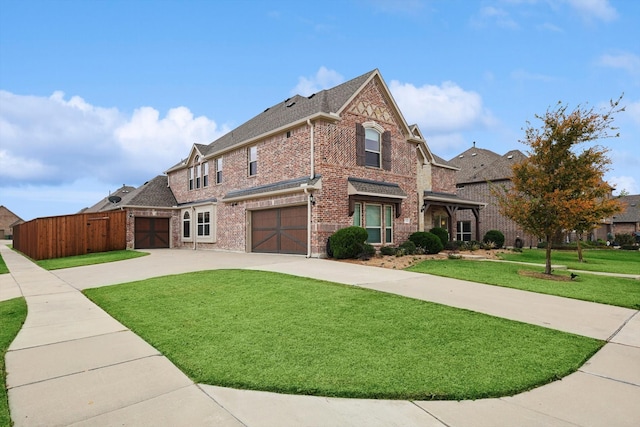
[{"x": 72, "y": 364}]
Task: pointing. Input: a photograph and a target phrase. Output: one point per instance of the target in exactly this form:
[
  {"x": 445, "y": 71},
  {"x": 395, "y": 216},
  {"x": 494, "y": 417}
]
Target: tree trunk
[
  {"x": 547, "y": 267},
  {"x": 579, "y": 248}
]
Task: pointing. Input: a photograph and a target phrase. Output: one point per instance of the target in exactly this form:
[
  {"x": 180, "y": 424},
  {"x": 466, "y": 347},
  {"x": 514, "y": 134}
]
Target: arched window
[
  {"x": 186, "y": 225},
  {"x": 372, "y": 147}
]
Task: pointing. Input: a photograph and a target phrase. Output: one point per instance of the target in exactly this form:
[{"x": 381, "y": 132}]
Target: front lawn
[
  {"x": 606, "y": 260},
  {"x": 3, "y": 266},
  {"x": 274, "y": 332},
  {"x": 587, "y": 287},
  {"x": 12, "y": 315},
  {"x": 88, "y": 259}
]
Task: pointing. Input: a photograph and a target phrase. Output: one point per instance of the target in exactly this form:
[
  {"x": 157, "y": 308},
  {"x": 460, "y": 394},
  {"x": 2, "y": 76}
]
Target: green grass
[
  {"x": 3, "y": 266},
  {"x": 587, "y": 287},
  {"x": 12, "y": 315},
  {"x": 88, "y": 259},
  {"x": 274, "y": 332},
  {"x": 606, "y": 260}
]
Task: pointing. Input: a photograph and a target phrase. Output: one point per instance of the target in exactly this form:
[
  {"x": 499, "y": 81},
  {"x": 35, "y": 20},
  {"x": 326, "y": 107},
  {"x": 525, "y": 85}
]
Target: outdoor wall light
[{"x": 312, "y": 199}]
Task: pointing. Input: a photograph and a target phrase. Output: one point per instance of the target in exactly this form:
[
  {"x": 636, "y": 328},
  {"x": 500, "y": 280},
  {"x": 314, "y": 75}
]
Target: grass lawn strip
[
  {"x": 12, "y": 315},
  {"x": 605, "y": 260},
  {"x": 3, "y": 266},
  {"x": 602, "y": 289},
  {"x": 88, "y": 259},
  {"x": 274, "y": 332}
]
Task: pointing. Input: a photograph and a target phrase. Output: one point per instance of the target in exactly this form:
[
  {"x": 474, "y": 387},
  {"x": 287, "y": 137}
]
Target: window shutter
[
  {"x": 386, "y": 151},
  {"x": 360, "y": 152}
]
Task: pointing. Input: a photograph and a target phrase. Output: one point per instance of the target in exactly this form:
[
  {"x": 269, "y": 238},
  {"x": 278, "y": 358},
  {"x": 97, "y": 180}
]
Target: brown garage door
[
  {"x": 282, "y": 230},
  {"x": 152, "y": 233}
]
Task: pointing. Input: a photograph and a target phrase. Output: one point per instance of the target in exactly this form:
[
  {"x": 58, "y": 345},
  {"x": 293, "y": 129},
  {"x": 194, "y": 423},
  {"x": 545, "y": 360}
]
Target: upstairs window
[
  {"x": 197, "y": 176},
  {"x": 372, "y": 148},
  {"x": 205, "y": 174},
  {"x": 253, "y": 161},
  {"x": 219, "y": 170},
  {"x": 191, "y": 178}
]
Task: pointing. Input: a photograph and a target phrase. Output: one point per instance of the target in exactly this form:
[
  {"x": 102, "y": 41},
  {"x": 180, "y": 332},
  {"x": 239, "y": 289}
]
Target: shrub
[
  {"x": 494, "y": 236},
  {"x": 408, "y": 247},
  {"x": 367, "y": 251},
  {"x": 348, "y": 242},
  {"x": 625, "y": 239},
  {"x": 629, "y": 247},
  {"x": 453, "y": 245},
  {"x": 388, "y": 250},
  {"x": 442, "y": 234},
  {"x": 488, "y": 245},
  {"x": 429, "y": 242},
  {"x": 473, "y": 245}
]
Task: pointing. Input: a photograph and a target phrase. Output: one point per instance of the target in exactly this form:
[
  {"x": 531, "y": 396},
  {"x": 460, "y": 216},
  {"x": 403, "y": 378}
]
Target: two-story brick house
[{"x": 288, "y": 178}]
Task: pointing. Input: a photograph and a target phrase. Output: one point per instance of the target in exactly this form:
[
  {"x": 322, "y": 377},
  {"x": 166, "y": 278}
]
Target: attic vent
[
  {"x": 267, "y": 109},
  {"x": 311, "y": 96},
  {"x": 287, "y": 100},
  {"x": 288, "y": 134},
  {"x": 474, "y": 154},
  {"x": 291, "y": 105},
  {"x": 461, "y": 156},
  {"x": 509, "y": 157}
]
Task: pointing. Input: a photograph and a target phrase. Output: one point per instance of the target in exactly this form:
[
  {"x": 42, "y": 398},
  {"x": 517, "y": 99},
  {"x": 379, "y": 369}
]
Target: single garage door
[
  {"x": 281, "y": 231},
  {"x": 152, "y": 233}
]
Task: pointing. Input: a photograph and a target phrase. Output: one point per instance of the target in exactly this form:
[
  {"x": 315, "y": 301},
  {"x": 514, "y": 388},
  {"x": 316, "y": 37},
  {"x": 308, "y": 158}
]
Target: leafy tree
[{"x": 558, "y": 187}]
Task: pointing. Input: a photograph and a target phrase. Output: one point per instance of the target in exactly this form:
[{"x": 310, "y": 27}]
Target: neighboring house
[
  {"x": 288, "y": 178},
  {"x": 7, "y": 221},
  {"x": 479, "y": 169},
  {"x": 628, "y": 221}
]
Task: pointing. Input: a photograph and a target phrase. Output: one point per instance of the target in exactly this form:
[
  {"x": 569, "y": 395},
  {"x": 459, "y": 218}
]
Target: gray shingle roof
[
  {"x": 366, "y": 186},
  {"x": 479, "y": 165},
  {"x": 289, "y": 111},
  {"x": 154, "y": 193},
  {"x": 277, "y": 186},
  {"x": 631, "y": 211},
  {"x": 104, "y": 204}
]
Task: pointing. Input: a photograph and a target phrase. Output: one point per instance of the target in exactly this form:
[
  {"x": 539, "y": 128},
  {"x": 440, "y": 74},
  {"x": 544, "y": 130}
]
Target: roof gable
[
  {"x": 479, "y": 165},
  {"x": 631, "y": 209}
]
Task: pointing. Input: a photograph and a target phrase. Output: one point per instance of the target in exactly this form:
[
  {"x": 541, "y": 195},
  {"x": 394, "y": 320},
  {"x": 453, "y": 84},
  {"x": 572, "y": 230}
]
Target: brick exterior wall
[
  {"x": 443, "y": 179},
  {"x": 6, "y": 219},
  {"x": 490, "y": 217},
  {"x": 174, "y": 224},
  {"x": 281, "y": 158}
]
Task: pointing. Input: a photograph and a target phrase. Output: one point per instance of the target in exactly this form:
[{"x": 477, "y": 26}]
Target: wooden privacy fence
[{"x": 61, "y": 236}]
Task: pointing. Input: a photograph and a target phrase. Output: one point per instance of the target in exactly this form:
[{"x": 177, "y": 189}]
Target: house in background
[
  {"x": 627, "y": 221},
  {"x": 478, "y": 170},
  {"x": 7, "y": 221}
]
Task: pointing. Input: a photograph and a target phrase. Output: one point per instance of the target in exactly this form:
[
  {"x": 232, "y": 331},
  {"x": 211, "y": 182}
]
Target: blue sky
[{"x": 96, "y": 94}]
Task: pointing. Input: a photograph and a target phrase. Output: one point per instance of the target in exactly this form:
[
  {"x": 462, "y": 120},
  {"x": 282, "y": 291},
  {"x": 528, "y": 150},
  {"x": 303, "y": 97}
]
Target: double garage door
[
  {"x": 151, "y": 233},
  {"x": 281, "y": 230}
]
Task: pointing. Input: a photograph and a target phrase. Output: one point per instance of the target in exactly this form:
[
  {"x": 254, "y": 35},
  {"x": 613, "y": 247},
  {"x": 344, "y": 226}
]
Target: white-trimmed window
[
  {"x": 253, "y": 160},
  {"x": 372, "y": 147},
  {"x": 377, "y": 219},
  {"x": 219, "y": 170},
  {"x": 191, "y": 178},
  {"x": 205, "y": 174},
  {"x": 463, "y": 231},
  {"x": 199, "y": 224},
  {"x": 197, "y": 176},
  {"x": 186, "y": 225},
  {"x": 357, "y": 215}
]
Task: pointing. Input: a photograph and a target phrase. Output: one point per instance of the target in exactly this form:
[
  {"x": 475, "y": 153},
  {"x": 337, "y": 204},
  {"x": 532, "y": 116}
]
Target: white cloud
[
  {"x": 441, "y": 109},
  {"x": 624, "y": 183},
  {"x": 52, "y": 140},
  {"x": 594, "y": 9},
  {"x": 628, "y": 62},
  {"x": 323, "y": 79}
]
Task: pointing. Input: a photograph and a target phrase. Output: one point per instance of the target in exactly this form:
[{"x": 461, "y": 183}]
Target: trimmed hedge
[
  {"x": 348, "y": 242},
  {"x": 494, "y": 236},
  {"x": 429, "y": 242},
  {"x": 442, "y": 234}
]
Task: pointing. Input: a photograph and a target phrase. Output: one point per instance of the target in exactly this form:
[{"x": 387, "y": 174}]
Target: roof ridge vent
[{"x": 291, "y": 104}]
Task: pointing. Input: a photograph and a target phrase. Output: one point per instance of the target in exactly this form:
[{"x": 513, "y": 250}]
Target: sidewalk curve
[{"x": 72, "y": 364}]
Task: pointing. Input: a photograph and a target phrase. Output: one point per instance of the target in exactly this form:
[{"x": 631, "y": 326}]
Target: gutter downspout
[
  {"x": 304, "y": 188},
  {"x": 312, "y": 175},
  {"x": 193, "y": 227},
  {"x": 312, "y": 172}
]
